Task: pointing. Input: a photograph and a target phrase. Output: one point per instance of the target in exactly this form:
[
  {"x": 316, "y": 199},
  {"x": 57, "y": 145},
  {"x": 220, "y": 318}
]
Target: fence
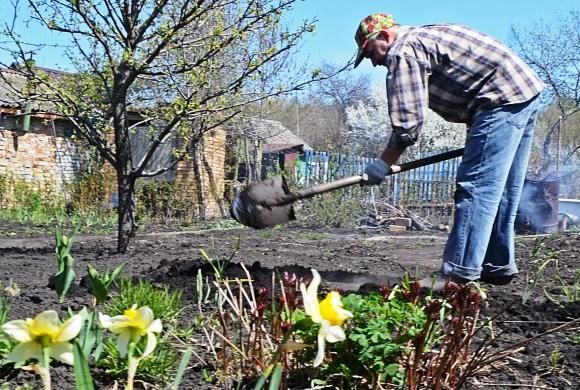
[{"x": 431, "y": 185}]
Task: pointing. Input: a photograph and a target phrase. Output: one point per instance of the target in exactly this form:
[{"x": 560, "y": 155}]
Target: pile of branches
[{"x": 383, "y": 214}]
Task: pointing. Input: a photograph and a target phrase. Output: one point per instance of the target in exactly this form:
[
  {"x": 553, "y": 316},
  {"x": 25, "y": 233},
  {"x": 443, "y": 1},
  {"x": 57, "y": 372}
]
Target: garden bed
[{"x": 350, "y": 260}]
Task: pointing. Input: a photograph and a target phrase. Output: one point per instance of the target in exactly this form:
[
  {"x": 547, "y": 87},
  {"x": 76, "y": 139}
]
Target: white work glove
[{"x": 376, "y": 172}]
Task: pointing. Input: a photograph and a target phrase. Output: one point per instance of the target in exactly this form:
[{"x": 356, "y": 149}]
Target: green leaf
[
  {"x": 261, "y": 381},
  {"x": 115, "y": 274},
  {"x": 205, "y": 255},
  {"x": 65, "y": 275},
  {"x": 87, "y": 334},
  {"x": 100, "y": 344},
  {"x": 263, "y": 378},
  {"x": 64, "y": 278},
  {"x": 93, "y": 274},
  {"x": 98, "y": 288},
  {"x": 83, "y": 379},
  {"x": 304, "y": 324},
  {"x": 182, "y": 367},
  {"x": 100, "y": 283},
  {"x": 276, "y": 378},
  {"x": 392, "y": 369}
]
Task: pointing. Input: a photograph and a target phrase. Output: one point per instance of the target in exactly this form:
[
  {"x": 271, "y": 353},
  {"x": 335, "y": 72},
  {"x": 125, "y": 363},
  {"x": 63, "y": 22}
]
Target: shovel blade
[{"x": 253, "y": 206}]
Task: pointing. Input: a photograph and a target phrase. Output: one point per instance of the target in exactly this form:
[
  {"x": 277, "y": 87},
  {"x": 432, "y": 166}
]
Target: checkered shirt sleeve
[{"x": 455, "y": 71}]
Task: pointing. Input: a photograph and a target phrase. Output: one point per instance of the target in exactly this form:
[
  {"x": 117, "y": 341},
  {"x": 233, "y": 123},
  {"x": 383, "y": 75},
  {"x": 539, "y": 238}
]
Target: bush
[
  {"x": 81, "y": 202},
  {"x": 340, "y": 208}
]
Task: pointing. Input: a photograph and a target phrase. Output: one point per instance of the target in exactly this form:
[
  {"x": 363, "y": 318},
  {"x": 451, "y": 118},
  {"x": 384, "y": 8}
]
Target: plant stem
[
  {"x": 133, "y": 363},
  {"x": 44, "y": 370},
  {"x": 276, "y": 358}
]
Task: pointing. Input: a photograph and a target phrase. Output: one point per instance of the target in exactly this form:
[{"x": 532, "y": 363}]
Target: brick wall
[
  {"x": 42, "y": 156},
  {"x": 47, "y": 156},
  {"x": 211, "y": 157}
]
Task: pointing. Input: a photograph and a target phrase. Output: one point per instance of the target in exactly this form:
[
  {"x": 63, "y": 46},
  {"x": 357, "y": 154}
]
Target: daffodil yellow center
[
  {"x": 131, "y": 313},
  {"x": 42, "y": 332},
  {"x": 135, "y": 325},
  {"x": 328, "y": 309}
]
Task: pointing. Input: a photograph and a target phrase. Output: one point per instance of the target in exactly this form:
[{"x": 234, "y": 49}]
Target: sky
[{"x": 333, "y": 40}]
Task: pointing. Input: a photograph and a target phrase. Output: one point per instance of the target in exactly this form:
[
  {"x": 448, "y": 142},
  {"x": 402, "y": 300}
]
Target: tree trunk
[
  {"x": 199, "y": 185},
  {"x": 257, "y": 159},
  {"x": 249, "y": 169},
  {"x": 127, "y": 226},
  {"x": 124, "y": 166},
  {"x": 233, "y": 168}
]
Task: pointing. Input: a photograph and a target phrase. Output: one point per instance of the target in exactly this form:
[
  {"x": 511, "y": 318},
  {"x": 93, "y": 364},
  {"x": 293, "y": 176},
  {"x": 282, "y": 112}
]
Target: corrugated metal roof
[{"x": 273, "y": 133}]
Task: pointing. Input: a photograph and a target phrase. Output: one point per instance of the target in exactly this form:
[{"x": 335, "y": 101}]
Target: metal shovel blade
[
  {"x": 269, "y": 202},
  {"x": 256, "y": 206}
]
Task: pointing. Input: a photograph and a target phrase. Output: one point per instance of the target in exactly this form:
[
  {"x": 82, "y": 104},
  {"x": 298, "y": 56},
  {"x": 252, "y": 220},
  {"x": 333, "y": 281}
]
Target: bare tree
[
  {"x": 173, "y": 67},
  {"x": 318, "y": 115},
  {"x": 343, "y": 90},
  {"x": 331, "y": 98},
  {"x": 554, "y": 53}
]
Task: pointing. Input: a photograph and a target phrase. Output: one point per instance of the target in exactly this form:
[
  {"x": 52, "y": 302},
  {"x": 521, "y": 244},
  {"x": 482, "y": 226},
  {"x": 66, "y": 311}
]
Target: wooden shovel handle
[
  {"x": 431, "y": 160},
  {"x": 325, "y": 187},
  {"x": 356, "y": 179}
]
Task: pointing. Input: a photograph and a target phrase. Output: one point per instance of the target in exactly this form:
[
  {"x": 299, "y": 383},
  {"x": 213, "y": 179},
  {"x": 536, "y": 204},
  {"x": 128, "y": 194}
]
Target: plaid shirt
[{"x": 453, "y": 70}]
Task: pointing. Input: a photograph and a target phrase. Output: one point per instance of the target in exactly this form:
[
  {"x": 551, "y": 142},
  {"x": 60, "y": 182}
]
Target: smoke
[{"x": 538, "y": 208}]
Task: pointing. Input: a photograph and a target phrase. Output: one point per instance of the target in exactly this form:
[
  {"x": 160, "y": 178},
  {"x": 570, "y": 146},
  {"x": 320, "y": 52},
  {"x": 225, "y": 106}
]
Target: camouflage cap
[{"x": 368, "y": 28}]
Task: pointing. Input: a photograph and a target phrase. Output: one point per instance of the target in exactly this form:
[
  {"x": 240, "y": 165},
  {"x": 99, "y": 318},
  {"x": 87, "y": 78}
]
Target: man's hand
[{"x": 376, "y": 172}]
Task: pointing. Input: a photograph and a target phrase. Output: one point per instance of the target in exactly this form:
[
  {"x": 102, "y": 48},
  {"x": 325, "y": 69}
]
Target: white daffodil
[
  {"x": 131, "y": 326},
  {"x": 44, "y": 331},
  {"x": 328, "y": 313}
]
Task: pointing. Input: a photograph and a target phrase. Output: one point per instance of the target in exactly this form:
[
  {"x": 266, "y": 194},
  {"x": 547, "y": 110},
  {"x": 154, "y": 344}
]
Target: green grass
[
  {"x": 159, "y": 366},
  {"x": 165, "y": 304}
]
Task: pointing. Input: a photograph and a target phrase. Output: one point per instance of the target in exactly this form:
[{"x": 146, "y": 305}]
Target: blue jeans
[{"x": 489, "y": 182}]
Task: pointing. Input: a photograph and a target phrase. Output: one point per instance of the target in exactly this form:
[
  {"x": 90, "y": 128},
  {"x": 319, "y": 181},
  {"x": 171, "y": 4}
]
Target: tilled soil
[{"x": 352, "y": 260}]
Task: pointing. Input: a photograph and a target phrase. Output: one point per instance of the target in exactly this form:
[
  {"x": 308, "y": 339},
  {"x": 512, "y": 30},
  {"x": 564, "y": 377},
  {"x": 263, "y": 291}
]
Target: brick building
[{"x": 36, "y": 145}]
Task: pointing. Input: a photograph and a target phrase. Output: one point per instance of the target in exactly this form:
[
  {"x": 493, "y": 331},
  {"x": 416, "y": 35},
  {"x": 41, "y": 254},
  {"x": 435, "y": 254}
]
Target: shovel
[{"x": 269, "y": 202}]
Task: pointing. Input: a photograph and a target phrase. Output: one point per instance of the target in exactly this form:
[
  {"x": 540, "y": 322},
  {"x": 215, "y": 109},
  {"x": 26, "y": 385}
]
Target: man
[{"x": 468, "y": 77}]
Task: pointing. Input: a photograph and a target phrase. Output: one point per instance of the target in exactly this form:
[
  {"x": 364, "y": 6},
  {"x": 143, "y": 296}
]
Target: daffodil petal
[
  {"x": 25, "y": 351},
  {"x": 334, "y": 334},
  {"x": 337, "y": 304},
  {"x": 104, "y": 320},
  {"x": 312, "y": 289},
  {"x": 119, "y": 324},
  {"x": 309, "y": 306},
  {"x": 18, "y": 330},
  {"x": 71, "y": 328},
  {"x": 320, "y": 354},
  {"x": 123, "y": 342},
  {"x": 310, "y": 297},
  {"x": 63, "y": 352},
  {"x": 144, "y": 317},
  {"x": 155, "y": 327},
  {"x": 151, "y": 343},
  {"x": 343, "y": 312},
  {"x": 133, "y": 324}
]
